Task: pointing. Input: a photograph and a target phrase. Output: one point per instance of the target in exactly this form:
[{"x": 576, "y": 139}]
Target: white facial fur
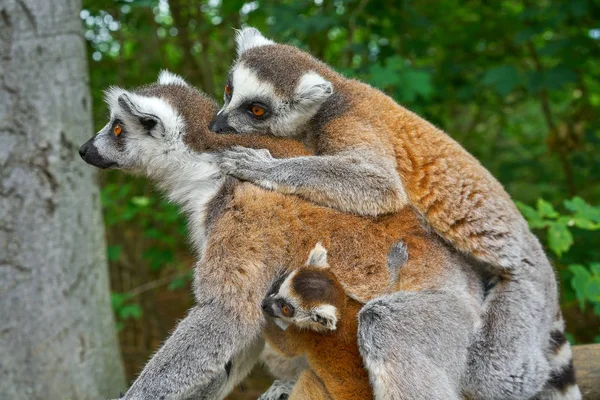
[
  {"x": 287, "y": 116},
  {"x": 248, "y": 38},
  {"x": 189, "y": 179}
]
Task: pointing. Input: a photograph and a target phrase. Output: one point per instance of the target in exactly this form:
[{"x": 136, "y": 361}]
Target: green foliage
[
  {"x": 559, "y": 237},
  {"x": 124, "y": 308},
  {"x": 516, "y": 83},
  {"x": 584, "y": 281}
]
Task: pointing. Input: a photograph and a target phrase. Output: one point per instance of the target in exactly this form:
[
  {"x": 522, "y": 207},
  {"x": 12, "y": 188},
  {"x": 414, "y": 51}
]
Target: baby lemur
[{"x": 309, "y": 313}]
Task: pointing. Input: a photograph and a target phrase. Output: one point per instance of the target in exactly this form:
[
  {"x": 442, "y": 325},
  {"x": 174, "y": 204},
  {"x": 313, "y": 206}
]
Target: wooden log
[{"x": 586, "y": 359}]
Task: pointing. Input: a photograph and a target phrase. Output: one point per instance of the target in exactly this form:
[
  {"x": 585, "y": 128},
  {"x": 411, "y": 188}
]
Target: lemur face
[
  {"x": 146, "y": 126},
  {"x": 271, "y": 88},
  {"x": 309, "y": 297}
]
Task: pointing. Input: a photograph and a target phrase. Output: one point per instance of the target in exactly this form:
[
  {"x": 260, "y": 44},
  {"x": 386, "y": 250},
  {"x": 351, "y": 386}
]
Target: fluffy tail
[{"x": 561, "y": 384}]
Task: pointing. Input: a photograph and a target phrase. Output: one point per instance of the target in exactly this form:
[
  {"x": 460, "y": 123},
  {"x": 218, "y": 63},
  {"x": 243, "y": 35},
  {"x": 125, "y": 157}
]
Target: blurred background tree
[
  {"x": 515, "y": 82},
  {"x": 57, "y": 329}
]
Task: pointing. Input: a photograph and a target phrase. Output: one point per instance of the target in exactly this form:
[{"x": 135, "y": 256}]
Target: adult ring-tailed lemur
[{"x": 244, "y": 235}]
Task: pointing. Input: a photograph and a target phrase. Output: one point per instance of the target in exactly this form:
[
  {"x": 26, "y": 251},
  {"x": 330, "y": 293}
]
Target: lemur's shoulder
[{"x": 457, "y": 195}]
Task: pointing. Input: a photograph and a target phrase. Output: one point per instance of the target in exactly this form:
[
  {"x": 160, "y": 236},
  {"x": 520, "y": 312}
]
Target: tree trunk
[{"x": 57, "y": 332}]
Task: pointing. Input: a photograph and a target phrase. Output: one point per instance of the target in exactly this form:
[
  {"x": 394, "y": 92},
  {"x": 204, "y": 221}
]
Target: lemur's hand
[
  {"x": 279, "y": 390},
  {"x": 246, "y": 164}
]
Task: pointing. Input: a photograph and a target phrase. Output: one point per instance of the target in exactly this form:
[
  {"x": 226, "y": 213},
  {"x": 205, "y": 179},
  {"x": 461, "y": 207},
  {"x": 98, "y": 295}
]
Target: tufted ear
[
  {"x": 248, "y": 38},
  {"x": 148, "y": 120},
  {"x": 313, "y": 89},
  {"x": 325, "y": 315},
  {"x": 318, "y": 256},
  {"x": 168, "y": 78}
]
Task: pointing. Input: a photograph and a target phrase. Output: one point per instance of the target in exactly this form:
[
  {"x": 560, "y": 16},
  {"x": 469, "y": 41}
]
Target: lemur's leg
[
  {"x": 520, "y": 350},
  {"x": 357, "y": 181},
  {"x": 283, "y": 368},
  {"x": 309, "y": 387},
  {"x": 414, "y": 344},
  {"x": 219, "y": 341},
  {"x": 205, "y": 357}
]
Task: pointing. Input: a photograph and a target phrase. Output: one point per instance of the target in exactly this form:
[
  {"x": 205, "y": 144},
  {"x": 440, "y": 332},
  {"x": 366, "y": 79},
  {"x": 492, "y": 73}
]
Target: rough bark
[
  {"x": 57, "y": 332},
  {"x": 587, "y": 369}
]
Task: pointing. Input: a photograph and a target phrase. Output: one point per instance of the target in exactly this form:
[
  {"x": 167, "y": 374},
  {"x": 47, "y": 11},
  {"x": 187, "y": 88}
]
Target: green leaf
[
  {"x": 585, "y": 224},
  {"x": 117, "y": 300},
  {"x": 503, "y": 79},
  {"x": 592, "y": 291},
  {"x": 559, "y": 238},
  {"x": 595, "y": 268},
  {"x": 114, "y": 252},
  {"x": 583, "y": 209},
  {"x": 579, "y": 282},
  {"x": 177, "y": 283},
  {"x": 130, "y": 311},
  {"x": 140, "y": 201},
  {"x": 532, "y": 216},
  {"x": 546, "y": 209}
]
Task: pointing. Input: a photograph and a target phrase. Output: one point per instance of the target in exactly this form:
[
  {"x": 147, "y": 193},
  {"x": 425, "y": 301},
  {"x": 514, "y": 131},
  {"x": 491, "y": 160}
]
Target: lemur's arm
[
  {"x": 281, "y": 340},
  {"x": 356, "y": 181}
]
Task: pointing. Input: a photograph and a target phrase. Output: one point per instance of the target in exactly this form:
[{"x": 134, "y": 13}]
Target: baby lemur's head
[{"x": 309, "y": 297}]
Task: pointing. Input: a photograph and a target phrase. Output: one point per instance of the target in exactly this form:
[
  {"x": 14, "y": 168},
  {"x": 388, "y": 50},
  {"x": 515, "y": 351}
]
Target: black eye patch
[{"x": 148, "y": 123}]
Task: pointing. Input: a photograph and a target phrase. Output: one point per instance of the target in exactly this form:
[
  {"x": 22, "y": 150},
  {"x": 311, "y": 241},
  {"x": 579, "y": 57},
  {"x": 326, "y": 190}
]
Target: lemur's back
[{"x": 251, "y": 223}]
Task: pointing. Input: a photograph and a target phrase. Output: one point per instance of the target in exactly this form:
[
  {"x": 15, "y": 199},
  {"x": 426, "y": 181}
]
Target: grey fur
[
  {"x": 191, "y": 363},
  {"x": 425, "y": 356},
  {"x": 342, "y": 180},
  {"x": 279, "y": 390},
  {"x": 208, "y": 353},
  {"x": 509, "y": 357},
  {"x": 396, "y": 258}
]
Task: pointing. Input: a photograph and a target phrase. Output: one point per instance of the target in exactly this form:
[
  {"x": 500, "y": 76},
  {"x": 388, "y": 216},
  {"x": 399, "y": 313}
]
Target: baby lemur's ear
[
  {"x": 325, "y": 315},
  {"x": 318, "y": 256}
]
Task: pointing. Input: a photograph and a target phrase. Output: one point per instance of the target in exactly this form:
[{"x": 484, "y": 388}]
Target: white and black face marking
[
  {"x": 254, "y": 104},
  {"x": 141, "y": 128},
  {"x": 302, "y": 297}
]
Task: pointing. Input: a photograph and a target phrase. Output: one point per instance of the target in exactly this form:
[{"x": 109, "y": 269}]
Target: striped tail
[{"x": 561, "y": 384}]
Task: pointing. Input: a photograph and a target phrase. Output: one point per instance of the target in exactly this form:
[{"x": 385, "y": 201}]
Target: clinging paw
[
  {"x": 279, "y": 390},
  {"x": 247, "y": 164}
]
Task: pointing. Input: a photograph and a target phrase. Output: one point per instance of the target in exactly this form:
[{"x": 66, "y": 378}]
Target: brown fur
[
  {"x": 336, "y": 367},
  {"x": 457, "y": 195}
]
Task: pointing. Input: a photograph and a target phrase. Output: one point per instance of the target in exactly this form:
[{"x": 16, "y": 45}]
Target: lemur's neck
[{"x": 190, "y": 180}]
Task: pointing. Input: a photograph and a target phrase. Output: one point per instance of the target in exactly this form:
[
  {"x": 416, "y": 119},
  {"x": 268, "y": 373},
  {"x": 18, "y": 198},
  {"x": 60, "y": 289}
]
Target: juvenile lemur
[
  {"x": 244, "y": 235},
  {"x": 372, "y": 157},
  {"x": 309, "y": 313}
]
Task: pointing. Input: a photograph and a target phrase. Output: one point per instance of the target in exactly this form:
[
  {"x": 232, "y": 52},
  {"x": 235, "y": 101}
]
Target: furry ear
[
  {"x": 313, "y": 89},
  {"x": 148, "y": 121},
  {"x": 168, "y": 78},
  {"x": 325, "y": 315},
  {"x": 318, "y": 256},
  {"x": 248, "y": 38}
]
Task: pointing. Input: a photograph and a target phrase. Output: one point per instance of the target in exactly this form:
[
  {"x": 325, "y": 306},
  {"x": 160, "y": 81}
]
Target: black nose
[
  {"x": 83, "y": 149},
  {"x": 265, "y": 306},
  {"x": 219, "y": 124}
]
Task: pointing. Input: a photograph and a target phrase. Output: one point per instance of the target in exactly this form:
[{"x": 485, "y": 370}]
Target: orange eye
[
  {"x": 257, "y": 110},
  {"x": 117, "y": 129},
  {"x": 285, "y": 310},
  {"x": 227, "y": 90}
]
